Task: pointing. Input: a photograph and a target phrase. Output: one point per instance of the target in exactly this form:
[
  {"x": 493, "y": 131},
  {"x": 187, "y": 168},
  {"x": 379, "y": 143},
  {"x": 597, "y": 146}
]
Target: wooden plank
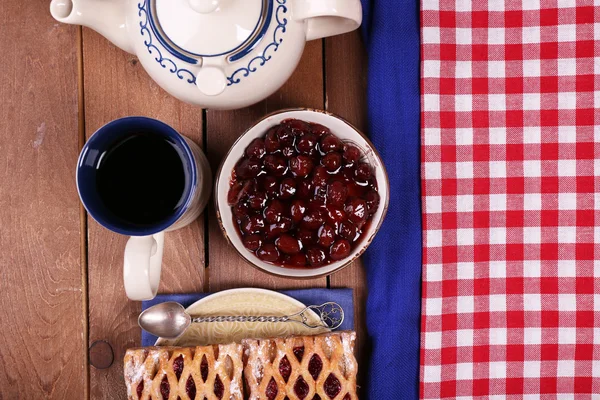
[
  {"x": 42, "y": 346},
  {"x": 304, "y": 89},
  {"x": 116, "y": 85},
  {"x": 346, "y": 96}
]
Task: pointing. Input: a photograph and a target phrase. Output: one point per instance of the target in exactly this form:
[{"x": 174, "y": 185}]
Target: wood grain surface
[
  {"x": 42, "y": 319},
  {"x": 61, "y": 285}
]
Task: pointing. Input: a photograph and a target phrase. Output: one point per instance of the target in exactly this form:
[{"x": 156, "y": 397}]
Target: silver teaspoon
[{"x": 169, "y": 320}]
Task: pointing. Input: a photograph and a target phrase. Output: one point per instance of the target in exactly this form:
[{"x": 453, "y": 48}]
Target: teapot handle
[{"x": 328, "y": 17}]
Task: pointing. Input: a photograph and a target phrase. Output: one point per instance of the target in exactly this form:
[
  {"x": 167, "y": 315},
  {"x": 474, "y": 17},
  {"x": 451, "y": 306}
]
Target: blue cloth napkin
[
  {"x": 344, "y": 297},
  {"x": 393, "y": 261}
]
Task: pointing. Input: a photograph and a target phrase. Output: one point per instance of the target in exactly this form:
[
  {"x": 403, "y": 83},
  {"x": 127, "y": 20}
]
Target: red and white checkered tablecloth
[{"x": 511, "y": 202}]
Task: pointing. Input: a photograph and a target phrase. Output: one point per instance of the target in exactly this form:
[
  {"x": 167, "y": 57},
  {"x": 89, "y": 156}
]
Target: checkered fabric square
[{"x": 511, "y": 175}]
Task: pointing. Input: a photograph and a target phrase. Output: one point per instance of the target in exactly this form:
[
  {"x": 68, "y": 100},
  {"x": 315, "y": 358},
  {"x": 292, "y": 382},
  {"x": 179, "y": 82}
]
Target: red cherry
[
  {"x": 372, "y": 198},
  {"x": 316, "y": 256},
  {"x": 298, "y": 127},
  {"x": 330, "y": 143},
  {"x": 275, "y": 165},
  {"x": 297, "y": 260},
  {"x": 287, "y": 188},
  {"x": 240, "y": 210},
  {"x": 335, "y": 214},
  {"x": 332, "y": 161},
  {"x": 320, "y": 195},
  {"x": 288, "y": 244},
  {"x": 247, "y": 168},
  {"x": 268, "y": 252},
  {"x": 348, "y": 231},
  {"x": 304, "y": 189},
  {"x": 257, "y": 200},
  {"x": 271, "y": 142},
  {"x": 235, "y": 193},
  {"x": 276, "y": 229},
  {"x": 363, "y": 172},
  {"x": 297, "y": 210},
  {"x": 337, "y": 193},
  {"x": 313, "y": 220},
  {"x": 256, "y": 149},
  {"x": 326, "y": 236},
  {"x": 340, "y": 250},
  {"x": 301, "y": 166},
  {"x": 351, "y": 154},
  {"x": 320, "y": 176},
  {"x": 306, "y": 236},
  {"x": 357, "y": 211},
  {"x": 320, "y": 130},
  {"x": 252, "y": 242},
  {"x": 307, "y": 144},
  {"x": 273, "y": 212},
  {"x": 288, "y": 151},
  {"x": 254, "y": 224},
  {"x": 285, "y": 135},
  {"x": 269, "y": 184}
]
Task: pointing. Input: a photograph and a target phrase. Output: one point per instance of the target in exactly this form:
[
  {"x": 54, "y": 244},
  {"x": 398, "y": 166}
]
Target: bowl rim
[{"x": 368, "y": 240}]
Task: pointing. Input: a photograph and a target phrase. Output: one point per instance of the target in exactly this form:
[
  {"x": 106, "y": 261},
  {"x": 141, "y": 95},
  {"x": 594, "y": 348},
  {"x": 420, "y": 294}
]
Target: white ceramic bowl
[{"x": 342, "y": 129}]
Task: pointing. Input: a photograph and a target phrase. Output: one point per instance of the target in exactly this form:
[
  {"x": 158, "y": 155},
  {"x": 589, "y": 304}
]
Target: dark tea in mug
[
  {"x": 141, "y": 179},
  {"x": 138, "y": 176}
]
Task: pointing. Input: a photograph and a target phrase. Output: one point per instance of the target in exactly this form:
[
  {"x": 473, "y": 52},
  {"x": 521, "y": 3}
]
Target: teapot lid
[{"x": 196, "y": 29}]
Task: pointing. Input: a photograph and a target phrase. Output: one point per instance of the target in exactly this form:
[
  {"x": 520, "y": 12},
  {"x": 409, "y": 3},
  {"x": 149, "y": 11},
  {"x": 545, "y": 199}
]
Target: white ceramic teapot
[{"x": 221, "y": 54}]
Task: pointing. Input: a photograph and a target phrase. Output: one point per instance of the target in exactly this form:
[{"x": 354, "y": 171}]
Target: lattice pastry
[
  {"x": 298, "y": 368},
  {"x": 173, "y": 373}
]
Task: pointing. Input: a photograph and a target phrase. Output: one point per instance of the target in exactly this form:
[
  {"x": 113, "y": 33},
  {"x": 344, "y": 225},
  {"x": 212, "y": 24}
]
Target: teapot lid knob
[
  {"x": 211, "y": 81},
  {"x": 204, "y": 6}
]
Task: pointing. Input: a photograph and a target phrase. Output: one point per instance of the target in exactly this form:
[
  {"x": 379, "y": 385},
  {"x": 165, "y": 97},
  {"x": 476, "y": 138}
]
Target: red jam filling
[
  {"x": 165, "y": 388},
  {"x": 301, "y": 197},
  {"x": 140, "y": 389},
  {"x": 271, "y": 390},
  {"x": 332, "y": 386},
  {"x": 190, "y": 387},
  {"x": 219, "y": 389},
  {"x": 301, "y": 388},
  {"x": 299, "y": 353},
  {"x": 204, "y": 369},
  {"x": 285, "y": 368},
  {"x": 315, "y": 365},
  {"x": 347, "y": 397},
  {"x": 178, "y": 366}
]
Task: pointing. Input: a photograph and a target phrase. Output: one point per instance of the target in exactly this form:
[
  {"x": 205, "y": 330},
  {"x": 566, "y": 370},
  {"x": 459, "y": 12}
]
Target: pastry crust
[
  {"x": 335, "y": 374},
  {"x": 178, "y": 371}
]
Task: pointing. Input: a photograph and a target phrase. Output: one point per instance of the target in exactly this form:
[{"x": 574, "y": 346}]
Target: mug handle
[
  {"x": 328, "y": 17},
  {"x": 142, "y": 265}
]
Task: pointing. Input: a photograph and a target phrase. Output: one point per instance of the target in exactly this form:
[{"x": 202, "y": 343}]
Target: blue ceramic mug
[{"x": 139, "y": 177}]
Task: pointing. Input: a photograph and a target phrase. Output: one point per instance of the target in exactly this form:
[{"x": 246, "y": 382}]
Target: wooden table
[{"x": 61, "y": 284}]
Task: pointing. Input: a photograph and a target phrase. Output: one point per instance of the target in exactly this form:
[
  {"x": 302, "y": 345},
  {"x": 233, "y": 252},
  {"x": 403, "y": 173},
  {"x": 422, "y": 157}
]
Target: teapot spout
[{"x": 107, "y": 17}]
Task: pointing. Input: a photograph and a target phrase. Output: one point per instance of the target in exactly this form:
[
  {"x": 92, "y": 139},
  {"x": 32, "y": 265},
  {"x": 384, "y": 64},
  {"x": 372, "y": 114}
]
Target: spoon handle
[
  {"x": 331, "y": 316},
  {"x": 240, "y": 318}
]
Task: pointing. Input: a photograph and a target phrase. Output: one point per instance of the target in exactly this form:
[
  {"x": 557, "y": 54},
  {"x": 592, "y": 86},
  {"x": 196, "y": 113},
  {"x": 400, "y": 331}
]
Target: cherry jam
[{"x": 301, "y": 197}]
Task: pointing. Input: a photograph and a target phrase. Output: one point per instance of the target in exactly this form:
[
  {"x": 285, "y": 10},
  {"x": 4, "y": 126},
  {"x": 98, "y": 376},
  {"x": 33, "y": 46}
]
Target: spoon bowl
[{"x": 167, "y": 320}]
